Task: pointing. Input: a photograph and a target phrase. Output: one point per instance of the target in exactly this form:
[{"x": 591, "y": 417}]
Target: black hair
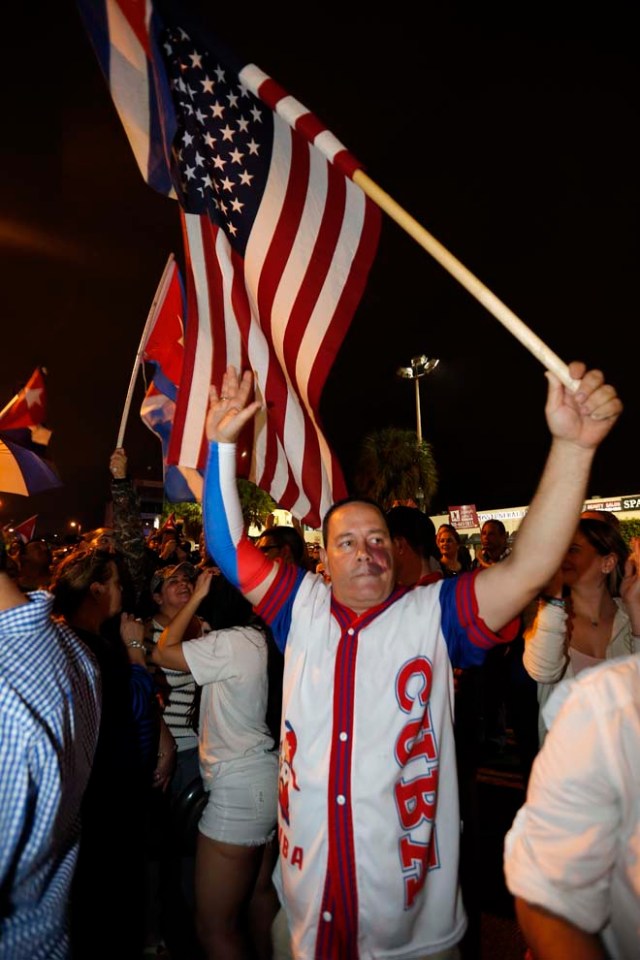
[
  {"x": 231, "y": 610},
  {"x": 415, "y": 526},
  {"x": 287, "y": 537},
  {"x": 497, "y": 523}
]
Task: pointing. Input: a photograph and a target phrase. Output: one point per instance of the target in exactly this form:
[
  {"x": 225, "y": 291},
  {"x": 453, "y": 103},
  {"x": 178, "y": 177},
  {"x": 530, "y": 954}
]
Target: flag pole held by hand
[
  {"x": 475, "y": 287},
  {"x": 148, "y": 327}
]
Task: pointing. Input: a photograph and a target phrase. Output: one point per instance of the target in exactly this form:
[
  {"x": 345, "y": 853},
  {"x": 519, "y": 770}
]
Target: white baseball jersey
[{"x": 368, "y": 801}]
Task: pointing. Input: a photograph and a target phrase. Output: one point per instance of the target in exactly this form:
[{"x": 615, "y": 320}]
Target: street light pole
[
  {"x": 419, "y": 367},
  {"x": 418, "y": 416}
]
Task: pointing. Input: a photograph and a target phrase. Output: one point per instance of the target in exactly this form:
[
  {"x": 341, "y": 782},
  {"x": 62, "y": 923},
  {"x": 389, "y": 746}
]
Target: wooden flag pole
[
  {"x": 151, "y": 317},
  {"x": 475, "y": 287}
]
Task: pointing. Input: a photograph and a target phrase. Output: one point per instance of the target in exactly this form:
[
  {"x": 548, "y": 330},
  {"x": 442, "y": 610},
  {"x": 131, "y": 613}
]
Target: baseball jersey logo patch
[{"x": 287, "y": 775}]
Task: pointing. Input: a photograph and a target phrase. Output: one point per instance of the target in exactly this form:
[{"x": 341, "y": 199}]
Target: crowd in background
[{"x": 152, "y": 851}]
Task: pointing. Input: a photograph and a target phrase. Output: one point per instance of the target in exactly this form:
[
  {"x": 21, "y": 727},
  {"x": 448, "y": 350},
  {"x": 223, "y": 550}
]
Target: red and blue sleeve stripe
[
  {"x": 467, "y": 637},
  {"x": 225, "y": 535},
  {"x": 276, "y": 606}
]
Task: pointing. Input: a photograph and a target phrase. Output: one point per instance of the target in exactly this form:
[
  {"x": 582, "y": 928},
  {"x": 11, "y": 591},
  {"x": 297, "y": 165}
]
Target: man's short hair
[
  {"x": 416, "y": 528},
  {"x": 497, "y": 523},
  {"x": 286, "y": 537},
  {"x": 343, "y": 503}
]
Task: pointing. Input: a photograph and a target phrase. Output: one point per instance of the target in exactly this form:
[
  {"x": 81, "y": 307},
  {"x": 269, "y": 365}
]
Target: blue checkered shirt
[{"x": 49, "y": 715}]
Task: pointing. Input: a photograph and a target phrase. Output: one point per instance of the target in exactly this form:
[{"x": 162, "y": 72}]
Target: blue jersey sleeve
[{"x": 467, "y": 637}]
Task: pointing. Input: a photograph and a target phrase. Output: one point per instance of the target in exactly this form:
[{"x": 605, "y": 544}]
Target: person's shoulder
[
  {"x": 621, "y": 615},
  {"x": 622, "y": 674},
  {"x": 310, "y": 592},
  {"x": 313, "y": 583},
  {"x": 37, "y": 608},
  {"x": 424, "y": 593},
  {"x": 16, "y": 713},
  {"x": 610, "y": 687}
]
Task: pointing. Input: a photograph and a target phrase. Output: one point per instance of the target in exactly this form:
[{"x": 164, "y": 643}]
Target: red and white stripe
[{"x": 283, "y": 311}]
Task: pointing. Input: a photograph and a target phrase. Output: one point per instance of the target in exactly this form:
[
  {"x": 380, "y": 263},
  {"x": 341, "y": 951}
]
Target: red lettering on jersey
[
  {"x": 415, "y": 793},
  {"x": 418, "y": 667},
  {"x": 297, "y": 853},
  {"x": 420, "y": 856},
  {"x": 416, "y": 740},
  {"x": 416, "y": 799}
]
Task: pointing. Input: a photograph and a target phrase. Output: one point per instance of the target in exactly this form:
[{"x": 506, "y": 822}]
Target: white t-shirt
[{"x": 231, "y": 667}]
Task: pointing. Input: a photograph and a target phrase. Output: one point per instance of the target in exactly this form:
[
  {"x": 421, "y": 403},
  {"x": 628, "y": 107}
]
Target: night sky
[{"x": 514, "y": 143}]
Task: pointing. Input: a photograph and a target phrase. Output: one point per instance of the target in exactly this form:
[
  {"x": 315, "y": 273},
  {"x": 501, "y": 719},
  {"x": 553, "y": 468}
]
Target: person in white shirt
[
  {"x": 572, "y": 856},
  {"x": 236, "y": 848}
]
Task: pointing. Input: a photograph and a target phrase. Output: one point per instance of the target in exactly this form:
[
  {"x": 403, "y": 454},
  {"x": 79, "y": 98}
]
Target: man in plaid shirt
[{"x": 49, "y": 712}]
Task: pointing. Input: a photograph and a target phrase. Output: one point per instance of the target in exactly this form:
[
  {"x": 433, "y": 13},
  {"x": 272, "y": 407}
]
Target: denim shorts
[{"x": 242, "y": 801}]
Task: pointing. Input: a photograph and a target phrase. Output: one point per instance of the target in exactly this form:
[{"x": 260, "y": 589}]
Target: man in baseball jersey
[{"x": 369, "y": 841}]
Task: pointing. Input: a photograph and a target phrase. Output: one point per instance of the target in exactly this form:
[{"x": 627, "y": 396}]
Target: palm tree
[
  {"x": 393, "y": 467},
  {"x": 256, "y": 504}
]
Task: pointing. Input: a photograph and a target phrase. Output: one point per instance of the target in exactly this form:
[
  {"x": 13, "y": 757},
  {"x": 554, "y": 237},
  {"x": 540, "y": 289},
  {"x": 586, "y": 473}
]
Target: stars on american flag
[{"x": 223, "y": 141}]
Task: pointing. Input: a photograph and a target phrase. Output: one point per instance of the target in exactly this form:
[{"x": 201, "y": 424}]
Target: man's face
[
  {"x": 493, "y": 540},
  {"x": 359, "y": 556}
]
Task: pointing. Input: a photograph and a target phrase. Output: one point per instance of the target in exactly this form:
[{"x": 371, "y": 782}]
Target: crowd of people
[{"x": 255, "y": 750}]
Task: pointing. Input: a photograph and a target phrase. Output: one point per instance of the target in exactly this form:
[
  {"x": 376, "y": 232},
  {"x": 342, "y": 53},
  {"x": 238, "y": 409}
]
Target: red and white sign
[{"x": 463, "y": 517}]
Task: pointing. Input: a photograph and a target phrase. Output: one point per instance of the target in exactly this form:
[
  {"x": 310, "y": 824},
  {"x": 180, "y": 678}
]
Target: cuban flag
[{"x": 164, "y": 349}]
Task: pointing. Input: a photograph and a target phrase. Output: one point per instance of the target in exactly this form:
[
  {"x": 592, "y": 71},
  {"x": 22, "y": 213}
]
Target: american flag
[{"x": 278, "y": 239}]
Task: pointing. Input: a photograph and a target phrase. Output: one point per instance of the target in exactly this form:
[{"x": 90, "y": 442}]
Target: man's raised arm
[
  {"x": 578, "y": 422},
  {"x": 242, "y": 564}
]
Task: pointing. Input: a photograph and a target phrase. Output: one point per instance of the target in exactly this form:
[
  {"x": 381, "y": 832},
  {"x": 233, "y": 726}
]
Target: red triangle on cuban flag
[
  {"x": 169, "y": 524},
  {"x": 28, "y": 407},
  {"x": 26, "y": 529},
  {"x": 165, "y": 344}
]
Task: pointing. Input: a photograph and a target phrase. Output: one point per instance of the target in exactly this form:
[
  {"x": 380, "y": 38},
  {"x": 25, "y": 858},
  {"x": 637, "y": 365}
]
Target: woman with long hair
[
  {"x": 588, "y": 613},
  {"x": 235, "y": 852},
  {"x": 454, "y": 558},
  {"x": 88, "y": 595}
]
